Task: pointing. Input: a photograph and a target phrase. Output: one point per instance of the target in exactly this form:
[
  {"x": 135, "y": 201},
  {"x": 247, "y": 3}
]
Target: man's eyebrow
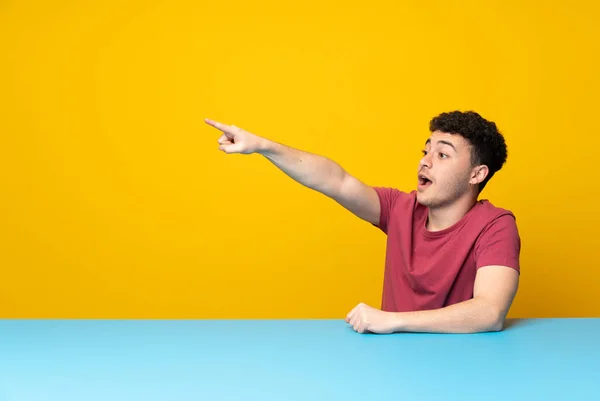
[{"x": 428, "y": 141}]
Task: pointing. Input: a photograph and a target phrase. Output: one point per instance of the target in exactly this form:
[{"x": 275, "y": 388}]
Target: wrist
[
  {"x": 266, "y": 147},
  {"x": 397, "y": 321}
]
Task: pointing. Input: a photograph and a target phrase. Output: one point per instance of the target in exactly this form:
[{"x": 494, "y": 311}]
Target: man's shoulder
[
  {"x": 491, "y": 219},
  {"x": 397, "y": 198},
  {"x": 488, "y": 210},
  {"x": 498, "y": 241}
]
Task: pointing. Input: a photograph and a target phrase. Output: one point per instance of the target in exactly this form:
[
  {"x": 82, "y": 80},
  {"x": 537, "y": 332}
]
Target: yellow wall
[{"x": 116, "y": 202}]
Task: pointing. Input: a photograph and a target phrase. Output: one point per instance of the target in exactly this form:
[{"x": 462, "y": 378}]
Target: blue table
[{"x": 108, "y": 360}]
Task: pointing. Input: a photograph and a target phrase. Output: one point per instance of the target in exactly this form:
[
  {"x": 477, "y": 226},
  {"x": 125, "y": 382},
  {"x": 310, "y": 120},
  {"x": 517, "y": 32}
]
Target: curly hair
[{"x": 487, "y": 143}]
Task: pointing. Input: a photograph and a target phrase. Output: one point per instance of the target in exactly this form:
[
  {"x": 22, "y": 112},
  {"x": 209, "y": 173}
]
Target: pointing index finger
[{"x": 217, "y": 125}]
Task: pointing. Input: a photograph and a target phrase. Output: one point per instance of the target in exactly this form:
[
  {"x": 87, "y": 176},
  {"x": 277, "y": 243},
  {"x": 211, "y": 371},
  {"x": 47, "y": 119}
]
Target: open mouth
[{"x": 424, "y": 182}]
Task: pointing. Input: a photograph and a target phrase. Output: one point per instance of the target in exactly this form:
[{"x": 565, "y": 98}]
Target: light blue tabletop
[{"x": 114, "y": 360}]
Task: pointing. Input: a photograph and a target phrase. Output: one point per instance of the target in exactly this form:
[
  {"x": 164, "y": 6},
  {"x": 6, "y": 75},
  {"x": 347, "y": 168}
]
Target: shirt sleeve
[
  {"x": 387, "y": 200},
  {"x": 499, "y": 244}
]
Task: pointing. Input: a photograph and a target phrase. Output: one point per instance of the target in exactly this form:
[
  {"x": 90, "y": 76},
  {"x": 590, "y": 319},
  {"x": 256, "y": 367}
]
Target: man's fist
[{"x": 364, "y": 318}]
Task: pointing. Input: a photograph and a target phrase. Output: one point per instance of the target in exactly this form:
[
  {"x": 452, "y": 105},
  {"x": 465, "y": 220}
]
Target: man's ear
[{"x": 478, "y": 174}]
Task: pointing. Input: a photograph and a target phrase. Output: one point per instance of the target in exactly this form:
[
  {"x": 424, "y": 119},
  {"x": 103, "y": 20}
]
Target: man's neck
[{"x": 446, "y": 216}]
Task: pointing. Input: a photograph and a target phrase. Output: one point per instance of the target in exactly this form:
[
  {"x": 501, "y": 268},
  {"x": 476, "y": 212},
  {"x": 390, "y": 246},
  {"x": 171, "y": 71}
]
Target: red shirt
[{"x": 429, "y": 270}]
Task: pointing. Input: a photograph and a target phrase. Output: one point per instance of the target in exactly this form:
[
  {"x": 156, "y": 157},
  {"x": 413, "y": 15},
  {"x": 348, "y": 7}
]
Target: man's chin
[{"x": 422, "y": 199}]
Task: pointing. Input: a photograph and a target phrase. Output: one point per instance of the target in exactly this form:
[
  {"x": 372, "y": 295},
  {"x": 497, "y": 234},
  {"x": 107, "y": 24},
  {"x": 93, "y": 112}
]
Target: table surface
[{"x": 113, "y": 360}]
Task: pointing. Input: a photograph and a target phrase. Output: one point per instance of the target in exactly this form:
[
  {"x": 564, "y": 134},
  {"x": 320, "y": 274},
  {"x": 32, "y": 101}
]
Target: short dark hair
[{"x": 487, "y": 143}]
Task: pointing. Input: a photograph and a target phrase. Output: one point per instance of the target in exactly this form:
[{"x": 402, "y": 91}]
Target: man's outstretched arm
[{"x": 313, "y": 171}]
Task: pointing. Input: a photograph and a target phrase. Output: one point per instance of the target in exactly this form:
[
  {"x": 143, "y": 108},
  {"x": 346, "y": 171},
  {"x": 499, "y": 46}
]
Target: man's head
[{"x": 463, "y": 152}]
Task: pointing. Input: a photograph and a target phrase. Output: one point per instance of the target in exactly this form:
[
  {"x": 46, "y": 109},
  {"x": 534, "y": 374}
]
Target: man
[{"x": 452, "y": 262}]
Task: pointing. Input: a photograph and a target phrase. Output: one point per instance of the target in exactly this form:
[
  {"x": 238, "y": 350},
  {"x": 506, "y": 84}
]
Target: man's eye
[
  {"x": 443, "y": 155},
  {"x": 424, "y": 152}
]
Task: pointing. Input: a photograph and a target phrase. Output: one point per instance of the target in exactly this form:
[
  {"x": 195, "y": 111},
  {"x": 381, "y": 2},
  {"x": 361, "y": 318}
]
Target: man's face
[{"x": 445, "y": 170}]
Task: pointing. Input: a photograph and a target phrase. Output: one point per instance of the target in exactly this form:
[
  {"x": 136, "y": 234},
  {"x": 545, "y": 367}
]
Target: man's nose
[{"x": 425, "y": 161}]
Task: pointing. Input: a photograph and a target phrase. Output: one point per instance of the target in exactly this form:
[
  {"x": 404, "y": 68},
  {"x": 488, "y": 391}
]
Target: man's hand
[
  {"x": 364, "y": 318},
  {"x": 236, "y": 140}
]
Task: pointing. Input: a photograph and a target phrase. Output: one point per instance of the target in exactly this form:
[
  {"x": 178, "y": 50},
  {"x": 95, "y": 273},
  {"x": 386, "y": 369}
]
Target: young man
[{"x": 452, "y": 262}]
